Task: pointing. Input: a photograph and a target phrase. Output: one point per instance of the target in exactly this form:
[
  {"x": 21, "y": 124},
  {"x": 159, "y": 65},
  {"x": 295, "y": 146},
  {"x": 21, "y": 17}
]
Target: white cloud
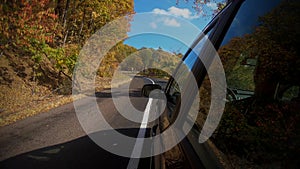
[
  {"x": 179, "y": 12},
  {"x": 171, "y": 22},
  {"x": 153, "y": 25},
  {"x": 160, "y": 11},
  {"x": 185, "y": 13},
  {"x": 173, "y": 11},
  {"x": 212, "y": 5}
]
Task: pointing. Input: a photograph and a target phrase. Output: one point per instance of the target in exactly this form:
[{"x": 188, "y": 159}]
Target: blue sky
[{"x": 165, "y": 24}]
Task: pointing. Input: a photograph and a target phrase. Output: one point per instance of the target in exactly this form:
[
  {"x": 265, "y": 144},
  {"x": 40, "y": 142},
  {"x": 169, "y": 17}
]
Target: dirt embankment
[{"x": 23, "y": 94}]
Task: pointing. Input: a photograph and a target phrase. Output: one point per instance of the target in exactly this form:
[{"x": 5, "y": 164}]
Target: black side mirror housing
[{"x": 148, "y": 88}]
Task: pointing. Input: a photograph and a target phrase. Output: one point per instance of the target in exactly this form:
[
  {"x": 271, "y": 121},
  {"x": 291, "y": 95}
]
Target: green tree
[
  {"x": 146, "y": 56},
  {"x": 51, "y": 33}
]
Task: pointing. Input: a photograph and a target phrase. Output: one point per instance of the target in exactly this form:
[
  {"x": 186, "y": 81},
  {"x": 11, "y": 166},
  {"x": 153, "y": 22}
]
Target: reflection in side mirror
[
  {"x": 251, "y": 62},
  {"x": 148, "y": 88}
]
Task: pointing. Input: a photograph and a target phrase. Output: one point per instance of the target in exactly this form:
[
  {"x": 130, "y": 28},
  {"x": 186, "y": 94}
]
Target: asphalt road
[{"x": 55, "y": 139}]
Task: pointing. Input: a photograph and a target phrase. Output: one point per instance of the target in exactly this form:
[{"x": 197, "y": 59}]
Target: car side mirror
[
  {"x": 148, "y": 88},
  {"x": 249, "y": 62}
]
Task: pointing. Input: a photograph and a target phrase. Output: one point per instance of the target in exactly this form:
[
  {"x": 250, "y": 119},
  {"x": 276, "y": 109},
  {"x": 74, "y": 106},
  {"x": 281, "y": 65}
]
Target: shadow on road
[
  {"x": 76, "y": 154},
  {"x": 133, "y": 93}
]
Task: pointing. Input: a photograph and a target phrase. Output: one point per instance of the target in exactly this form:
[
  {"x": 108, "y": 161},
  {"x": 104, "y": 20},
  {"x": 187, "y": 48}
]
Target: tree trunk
[
  {"x": 66, "y": 13},
  {"x": 82, "y": 22},
  {"x": 59, "y": 9},
  {"x": 65, "y": 38}
]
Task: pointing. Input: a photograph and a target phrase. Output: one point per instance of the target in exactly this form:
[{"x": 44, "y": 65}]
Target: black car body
[{"x": 257, "y": 42}]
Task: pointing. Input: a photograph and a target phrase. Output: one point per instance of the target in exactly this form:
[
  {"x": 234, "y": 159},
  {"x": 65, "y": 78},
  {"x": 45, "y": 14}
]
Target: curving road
[{"x": 55, "y": 139}]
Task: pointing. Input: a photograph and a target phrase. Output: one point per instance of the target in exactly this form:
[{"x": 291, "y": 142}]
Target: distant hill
[{"x": 149, "y": 61}]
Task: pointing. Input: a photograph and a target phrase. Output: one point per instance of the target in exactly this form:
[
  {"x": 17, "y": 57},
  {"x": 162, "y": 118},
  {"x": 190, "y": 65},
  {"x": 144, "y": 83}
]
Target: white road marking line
[
  {"x": 146, "y": 114},
  {"x": 137, "y": 150}
]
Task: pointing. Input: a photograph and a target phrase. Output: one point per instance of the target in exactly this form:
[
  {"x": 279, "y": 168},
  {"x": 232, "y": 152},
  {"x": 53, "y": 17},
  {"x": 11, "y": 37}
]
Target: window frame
[{"x": 219, "y": 26}]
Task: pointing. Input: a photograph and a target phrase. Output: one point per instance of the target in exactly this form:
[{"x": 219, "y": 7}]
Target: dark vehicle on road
[{"x": 258, "y": 44}]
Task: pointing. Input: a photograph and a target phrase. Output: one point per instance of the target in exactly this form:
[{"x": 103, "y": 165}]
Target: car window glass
[
  {"x": 192, "y": 57},
  {"x": 174, "y": 90},
  {"x": 261, "y": 60}
]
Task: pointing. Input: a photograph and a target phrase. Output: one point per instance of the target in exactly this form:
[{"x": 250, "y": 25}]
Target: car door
[
  {"x": 214, "y": 32},
  {"x": 256, "y": 41}
]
